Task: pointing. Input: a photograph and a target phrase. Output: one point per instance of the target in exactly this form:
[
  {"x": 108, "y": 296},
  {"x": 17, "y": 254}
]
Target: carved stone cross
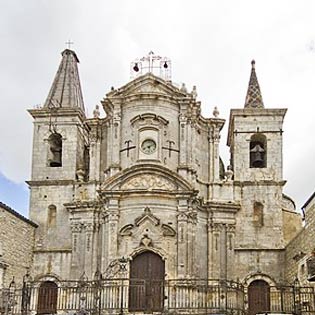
[
  {"x": 128, "y": 147},
  {"x": 170, "y": 147}
]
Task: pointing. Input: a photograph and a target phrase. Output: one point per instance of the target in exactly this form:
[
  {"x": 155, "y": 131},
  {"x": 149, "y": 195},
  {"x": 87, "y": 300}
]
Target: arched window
[
  {"x": 258, "y": 215},
  {"x": 52, "y": 214},
  {"x": 55, "y": 150},
  {"x": 258, "y": 151}
]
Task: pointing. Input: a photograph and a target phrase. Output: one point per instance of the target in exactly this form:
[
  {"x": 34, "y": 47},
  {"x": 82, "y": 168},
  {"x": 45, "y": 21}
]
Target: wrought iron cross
[
  {"x": 128, "y": 148},
  {"x": 170, "y": 147}
]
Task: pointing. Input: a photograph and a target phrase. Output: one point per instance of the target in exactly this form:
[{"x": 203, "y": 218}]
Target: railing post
[
  {"x": 122, "y": 269},
  {"x": 97, "y": 294},
  {"x": 11, "y": 298},
  {"x": 296, "y": 297},
  {"x": 26, "y": 294}
]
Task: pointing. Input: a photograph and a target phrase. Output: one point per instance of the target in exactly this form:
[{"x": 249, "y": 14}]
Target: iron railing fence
[{"x": 129, "y": 296}]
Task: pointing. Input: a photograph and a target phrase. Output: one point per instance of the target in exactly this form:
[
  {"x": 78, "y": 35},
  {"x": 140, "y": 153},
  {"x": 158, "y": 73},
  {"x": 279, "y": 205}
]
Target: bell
[
  {"x": 135, "y": 67},
  {"x": 55, "y": 160},
  {"x": 256, "y": 156},
  {"x": 165, "y": 66}
]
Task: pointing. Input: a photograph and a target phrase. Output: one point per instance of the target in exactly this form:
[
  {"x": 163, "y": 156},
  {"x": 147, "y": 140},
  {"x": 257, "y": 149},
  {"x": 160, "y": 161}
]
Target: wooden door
[
  {"x": 47, "y": 298},
  {"x": 146, "y": 291},
  {"x": 258, "y": 297}
]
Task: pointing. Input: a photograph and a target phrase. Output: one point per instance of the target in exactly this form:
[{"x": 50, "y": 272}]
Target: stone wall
[
  {"x": 301, "y": 247},
  {"x": 16, "y": 243}
]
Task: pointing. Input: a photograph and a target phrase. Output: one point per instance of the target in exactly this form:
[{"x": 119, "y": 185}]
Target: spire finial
[{"x": 253, "y": 97}]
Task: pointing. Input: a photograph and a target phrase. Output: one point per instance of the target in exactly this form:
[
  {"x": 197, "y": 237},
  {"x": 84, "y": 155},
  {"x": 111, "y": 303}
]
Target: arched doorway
[
  {"x": 146, "y": 283},
  {"x": 47, "y": 298},
  {"x": 258, "y": 297}
]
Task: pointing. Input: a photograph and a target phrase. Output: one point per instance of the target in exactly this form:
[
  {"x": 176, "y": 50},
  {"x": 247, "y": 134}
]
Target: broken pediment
[
  {"x": 168, "y": 230},
  {"x": 126, "y": 230}
]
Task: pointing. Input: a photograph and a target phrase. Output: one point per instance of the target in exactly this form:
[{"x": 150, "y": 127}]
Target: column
[
  {"x": 76, "y": 265},
  {"x": 95, "y": 148},
  {"x": 182, "y": 240}
]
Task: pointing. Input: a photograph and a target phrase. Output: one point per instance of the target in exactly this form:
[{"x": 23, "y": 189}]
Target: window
[
  {"x": 257, "y": 151},
  {"x": 55, "y": 150}
]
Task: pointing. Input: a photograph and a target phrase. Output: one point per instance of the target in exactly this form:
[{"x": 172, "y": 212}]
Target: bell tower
[
  {"x": 255, "y": 141},
  {"x": 255, "y": 137},
  {"x": 59, "y": 157}
]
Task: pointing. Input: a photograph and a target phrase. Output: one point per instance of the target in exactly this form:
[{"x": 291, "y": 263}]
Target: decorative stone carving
[
  {"x": 76, "y": 227},
  {"x": 126, "y": 230},
  {"x": 168, "y": 230},
  {"x": 96, "y": 112},
  {"x": 147, "y": 215},
  {"x": 148, "y": 182},
  {"x": 146, "y": 241}
]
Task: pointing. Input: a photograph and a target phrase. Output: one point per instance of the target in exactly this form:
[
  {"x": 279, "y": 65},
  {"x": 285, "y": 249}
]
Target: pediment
[
  {"x": 148, "y": 178},
  {"x": 147, "y": 84}
]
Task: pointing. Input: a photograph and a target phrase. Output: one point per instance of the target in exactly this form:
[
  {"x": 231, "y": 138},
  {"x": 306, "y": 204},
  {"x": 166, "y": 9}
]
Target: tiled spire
[
  {"x": 253, "y": 97},
  {"x": 66, "y": 89}
]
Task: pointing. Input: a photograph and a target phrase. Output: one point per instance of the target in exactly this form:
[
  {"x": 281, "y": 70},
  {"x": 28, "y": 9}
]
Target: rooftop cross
[{"x": 69, "y": 43}]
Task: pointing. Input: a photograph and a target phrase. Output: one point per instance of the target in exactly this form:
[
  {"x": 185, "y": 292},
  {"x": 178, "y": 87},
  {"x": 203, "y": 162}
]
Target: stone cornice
[
  {"x": 58, "y": 112},
  {"x": 51, "y": 182},
  {"x": 261, "y": 183},
  {"x": 259, "y": 249},
  {"x": 52, "y": 250}
]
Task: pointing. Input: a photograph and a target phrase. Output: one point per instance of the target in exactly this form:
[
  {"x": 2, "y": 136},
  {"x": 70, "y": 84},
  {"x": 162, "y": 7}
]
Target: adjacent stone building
[
  {"x": 16, "y": 245},
  {"x": 300, "y": 252}
]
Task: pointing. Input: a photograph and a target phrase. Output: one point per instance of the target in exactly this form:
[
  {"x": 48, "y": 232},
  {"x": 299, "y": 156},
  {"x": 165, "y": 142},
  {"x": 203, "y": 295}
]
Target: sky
[{"x": 210, "y": 43}]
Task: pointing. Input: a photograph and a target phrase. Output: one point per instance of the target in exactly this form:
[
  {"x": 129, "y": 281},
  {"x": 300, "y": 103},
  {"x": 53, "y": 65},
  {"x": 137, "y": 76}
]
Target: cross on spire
[{"x": 69, "y": 43}]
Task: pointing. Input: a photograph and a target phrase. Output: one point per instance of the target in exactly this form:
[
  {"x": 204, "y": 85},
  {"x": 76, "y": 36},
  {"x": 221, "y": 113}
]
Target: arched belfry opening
[
  {"x": 47, "y": 298},
  {"x": 147, "y": 271},
  {"x": 258, "y": 297},
  {"x": 55, "y": 150},
  {"x": 258, "y": 151}
]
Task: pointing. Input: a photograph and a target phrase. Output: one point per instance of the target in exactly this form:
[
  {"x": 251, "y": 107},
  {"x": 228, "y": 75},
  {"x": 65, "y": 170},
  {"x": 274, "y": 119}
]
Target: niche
[
  {"x": 52, "y": 214},
  {"x": 258, "y": 215}
]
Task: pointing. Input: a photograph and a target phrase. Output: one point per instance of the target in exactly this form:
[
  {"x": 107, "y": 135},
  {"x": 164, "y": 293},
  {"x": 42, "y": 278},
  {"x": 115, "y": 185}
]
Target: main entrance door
[
  {"x": 146, "y": 291},
  {"x": 258, "y": 297}
]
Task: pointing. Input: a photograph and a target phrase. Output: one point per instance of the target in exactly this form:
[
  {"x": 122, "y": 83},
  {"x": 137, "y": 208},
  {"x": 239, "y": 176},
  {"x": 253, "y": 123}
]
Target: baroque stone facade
[
  {"x": 146, "y": 185},
  {"x": 148, "y": 177}
]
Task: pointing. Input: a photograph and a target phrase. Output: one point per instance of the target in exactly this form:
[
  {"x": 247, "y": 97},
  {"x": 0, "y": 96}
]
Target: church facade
[{"x": 145, "y": 188}]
